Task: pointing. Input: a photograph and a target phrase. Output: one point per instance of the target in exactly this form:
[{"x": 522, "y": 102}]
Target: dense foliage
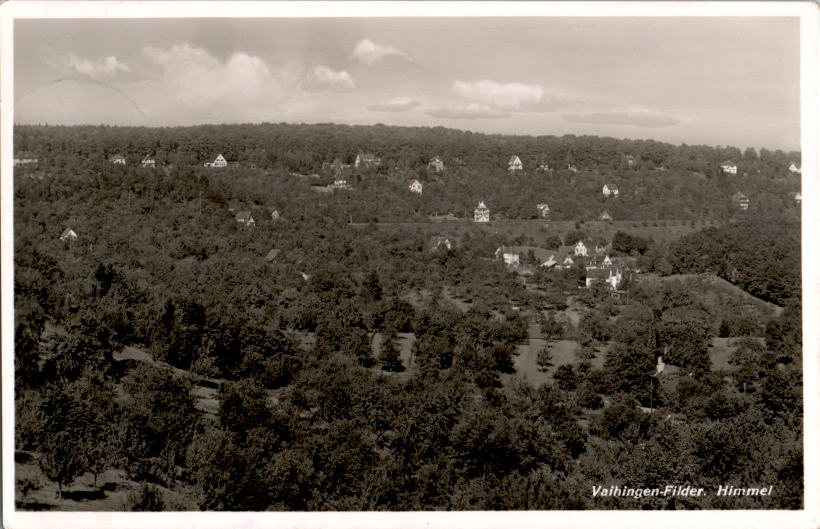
[{"x": 371, "y": 368}]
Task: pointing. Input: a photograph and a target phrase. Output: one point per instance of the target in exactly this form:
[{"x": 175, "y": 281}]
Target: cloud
[
  {"x": 369, "y": 53},
  {"x": 468, "y": 111},
  {"x": 509, "y": 96},
  {"x": 199, "y": 79},
  {"x": 322, "y": 78},
  {"x": 107, "y": 67},
  {"x": 633, "y": 118},
  {"x": 399, "y": 104}
]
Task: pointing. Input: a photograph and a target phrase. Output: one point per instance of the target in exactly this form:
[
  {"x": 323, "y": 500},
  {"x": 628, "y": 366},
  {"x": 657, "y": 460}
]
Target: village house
[
  {"x": 436, "y": 164},
  {"x": 740, "y": 200},
  {"x": 481, "y": 213},
  {"x": 630, "y": 161},
  {"x": 508, "y": 255},
  {"x": 442, "y": 242},
  {"x": 798, "y": 197},
  {"x": 611, "y": 190},
  {"x": 340, "y": 182},
  {"x": 272, "y": 255},
  {"x": 794, "y": 168},
  {"x": 274, "y": 215},
  {"x": 605, "y": 216},
  {"x": 245, "y": 218},
  {"x": 571, "y": 168},
  {"x": 549, "y": 262},
  {"x": 148, "y": 162},
  {"x": 117, "y": 159},
  {"x": 567, "y": 262},
  {"x": 68, "y": 235},
  {"x": 729, "y": 167},
  {"x": 25, "y": 158},
  {"x": 580, "y": 249},
  {"x": 543, "y": 210},
  {"x": 367, "y": 159},
  {"x": 611, "y": 276},
  {"x": 543, "y": 168},
  {"x": 416, "y": 187},
  {"x": 219, "y": 161},
  {"x": 514, "y": 164}
]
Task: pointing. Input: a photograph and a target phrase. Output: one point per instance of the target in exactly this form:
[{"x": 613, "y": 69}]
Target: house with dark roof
[
  {"x": 436, "y": 164},
  {"x": 729, "y": 167},
  {"x": 245, "y": 218},
  {"x": 367, "y": 159},
  {"x": 740, "y": 201}
]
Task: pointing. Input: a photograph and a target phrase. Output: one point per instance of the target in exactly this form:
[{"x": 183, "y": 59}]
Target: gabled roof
[
  {"x": 244, "y": 216},
  {"x": 514, "y": 159},
  {"x": 117, "y": 156},
  {"x": 611, "y": 186},
  {"x": 68, "y": 233},
  {"x": 481, "y": 205}
]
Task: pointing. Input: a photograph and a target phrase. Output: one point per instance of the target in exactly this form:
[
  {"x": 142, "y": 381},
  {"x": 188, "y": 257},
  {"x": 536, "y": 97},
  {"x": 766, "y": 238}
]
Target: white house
[
  {"x": 550, "y": 262},
  {"x": 148, "y": 162},
  {"x": 514, "y": 164},
  {"x": 481, "y": 213},
  {"x": 543, "y": 209},
  {"x": 611, "y": 190},
  {"x": 68, "y": 235},
  {"x": 25, "y": 158},
  {"x": 798, "y": 197},
  {"x": 571, "y": 168},
  {"x": 794, "y": 168},
  {"x": 567, "y": 261},
  {"x": 220, "y": 161},
  {"x": 606, "y": 216},
  {"x": 510, "y": 257},
  {"x": 274, "y": 215},
  {"x": 436, "y": 164},
  {"x": 440, "y": 241},
  {"x": 245, "y": 218},
  {"x": 117, "y": 159},
  {"x": 729, "y": 167},
  {"x": 740, "y": 200},
  {"x": 416, "y": 187},
  {"x": 544, "y": 168},
  {"x": 367, "y": 159},
  {"x": 580, "y": 249}
]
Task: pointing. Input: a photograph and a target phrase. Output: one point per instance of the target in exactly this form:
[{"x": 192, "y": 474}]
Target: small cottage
[
  {"x": 68, "y": 235},
  {"x": 481, "y": 213},
  {"x": 606, "y": 216},
  {"x": 543, "y": 210},
  {"x": 436, "y": 164},
  {"x": 509, "y": 256},
  {"x": 729, "y": 167},
  {"x": 794, "y": 168},
  {"x": 543, "y": 168},
  {"x": 798, "y": 197},
  {"x": 611, "y": 190},
  {"x": 117, "y": 159},
  {"x": 416, "y": 187},
  {"x": 442, "y": 242},
  {"x": 274, "y": 215},
  {"x": 219, "y": 161},
  {"x": 514, "y": 164},
  {"x": 580, "y": 249},
  {"x": 148, "y": 162},
  {"x": 25, "y": 158},
  {"x": 367, "y": 159},
  {"x": 740, "y": 201},
  {"x": 245, "y": 218}
]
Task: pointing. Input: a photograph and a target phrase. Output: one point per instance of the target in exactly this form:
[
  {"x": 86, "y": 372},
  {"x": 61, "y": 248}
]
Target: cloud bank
[
  {"x": 107, "y": 67},
  {"x": 507, "y": 96},
  {"x": 399, "y": 104},
  {"x": 322, "y": 78},
  {"x": 468, "y": 111},
  {"x": 370, "y": 53},
  {"x": 635, "y": 119}
]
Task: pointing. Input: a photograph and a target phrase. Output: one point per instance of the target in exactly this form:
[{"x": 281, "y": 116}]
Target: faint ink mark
[{"x": 81, "y": 80}]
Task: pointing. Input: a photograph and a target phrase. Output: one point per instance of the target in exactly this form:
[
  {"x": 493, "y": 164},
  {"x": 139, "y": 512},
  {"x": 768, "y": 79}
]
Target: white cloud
[
  {"x": 369, "y": 53},
  {"x": 200, "y": 79},
  {"x": 508, "y": 96},
  {"x": 399, "y": 104},
  {"x": 640, "y": 118},
  {"x": 322, "y": 78},
  {"x": 468, "y": 111},
  {"x": 107, "y": 67}
]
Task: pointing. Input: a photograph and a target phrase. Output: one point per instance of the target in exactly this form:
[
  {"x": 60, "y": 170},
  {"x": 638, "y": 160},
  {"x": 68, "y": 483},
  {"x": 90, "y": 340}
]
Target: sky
[{"x": 697, "y": 80}]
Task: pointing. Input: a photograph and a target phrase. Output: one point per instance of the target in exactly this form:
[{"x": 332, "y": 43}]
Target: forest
[{"x": 166, "y": 359}]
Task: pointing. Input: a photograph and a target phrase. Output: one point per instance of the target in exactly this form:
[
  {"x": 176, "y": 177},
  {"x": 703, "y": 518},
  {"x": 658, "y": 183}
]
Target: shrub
[{"x": 146, "y": 498}]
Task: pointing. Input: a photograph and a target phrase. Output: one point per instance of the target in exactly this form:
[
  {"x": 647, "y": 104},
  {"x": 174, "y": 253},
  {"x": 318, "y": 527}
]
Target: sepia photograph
[{"x": 373, "y": 264}]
